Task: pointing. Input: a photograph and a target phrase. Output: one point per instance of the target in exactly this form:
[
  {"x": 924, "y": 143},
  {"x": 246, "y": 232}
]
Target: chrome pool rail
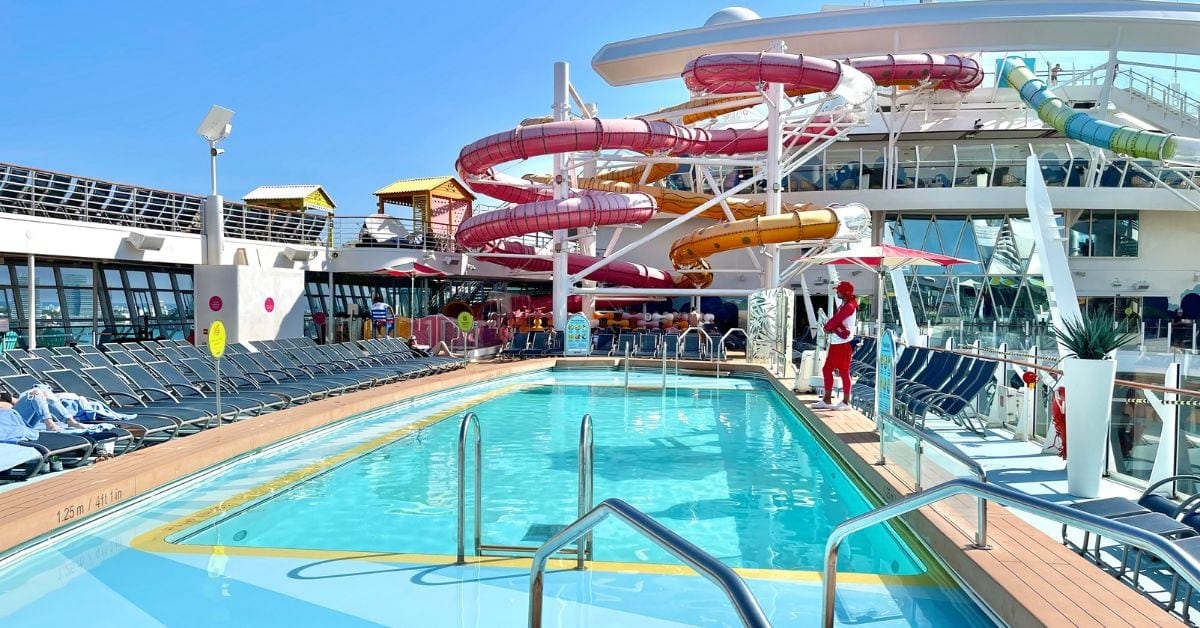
[
  {"x": 721, "y": 345},
  {"x": 469, "y": 421},
  {"x": 627, "y": 348},
  {"x": 705, "y": 564},
  {"x": 469, "y": 426},
  {"x": 1185, "y": 565},
  {"x": 947, "y": 448},
  {"x": 583, "y": 551}
]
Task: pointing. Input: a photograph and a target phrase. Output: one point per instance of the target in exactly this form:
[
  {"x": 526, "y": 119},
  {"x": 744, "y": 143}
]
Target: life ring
[{"x": 1058, "y": 415}]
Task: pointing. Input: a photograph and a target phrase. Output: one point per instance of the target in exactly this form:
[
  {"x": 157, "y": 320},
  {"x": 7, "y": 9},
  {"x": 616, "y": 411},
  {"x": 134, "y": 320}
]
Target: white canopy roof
[{"x": 983, "y": 25}]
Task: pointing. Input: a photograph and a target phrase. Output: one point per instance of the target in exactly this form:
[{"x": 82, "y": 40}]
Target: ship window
[{"x": 1100, "y": 233}]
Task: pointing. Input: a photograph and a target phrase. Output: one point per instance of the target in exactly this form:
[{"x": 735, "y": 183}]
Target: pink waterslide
[{"x": 725, "y": 73}]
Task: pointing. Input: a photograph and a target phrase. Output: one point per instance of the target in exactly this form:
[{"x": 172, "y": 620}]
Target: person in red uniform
[{"x": 840, "y": 328}]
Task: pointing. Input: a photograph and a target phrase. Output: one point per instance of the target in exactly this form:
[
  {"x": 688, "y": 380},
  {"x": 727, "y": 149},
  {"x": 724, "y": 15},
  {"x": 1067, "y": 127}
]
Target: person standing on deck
[
  {"x": 840, "y": 328},
  {"x": 380, "y": 313}
]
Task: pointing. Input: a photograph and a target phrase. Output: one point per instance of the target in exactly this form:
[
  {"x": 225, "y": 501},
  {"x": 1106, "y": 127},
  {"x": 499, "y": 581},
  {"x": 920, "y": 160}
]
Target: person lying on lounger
[{"x": 43, "y": 410}]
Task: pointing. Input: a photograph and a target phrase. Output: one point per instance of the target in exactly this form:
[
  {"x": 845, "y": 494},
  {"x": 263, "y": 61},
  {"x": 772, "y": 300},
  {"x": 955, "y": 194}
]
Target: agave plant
[{"x": 1092, "y": 337}]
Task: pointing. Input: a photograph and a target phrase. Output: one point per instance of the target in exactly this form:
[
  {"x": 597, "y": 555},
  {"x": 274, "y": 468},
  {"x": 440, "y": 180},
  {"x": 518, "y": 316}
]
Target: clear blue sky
[{"x": 350, "y": 95}]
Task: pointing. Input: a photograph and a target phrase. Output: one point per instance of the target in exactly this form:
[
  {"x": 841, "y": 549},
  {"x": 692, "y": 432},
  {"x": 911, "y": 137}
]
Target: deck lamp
[{"x": 214, "y": 128}]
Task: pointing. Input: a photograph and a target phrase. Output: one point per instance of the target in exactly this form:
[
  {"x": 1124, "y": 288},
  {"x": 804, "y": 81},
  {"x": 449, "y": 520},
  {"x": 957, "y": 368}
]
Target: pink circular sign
[
  {"x": 269, "y": 304},
  {"x": 215, "y": 304}
]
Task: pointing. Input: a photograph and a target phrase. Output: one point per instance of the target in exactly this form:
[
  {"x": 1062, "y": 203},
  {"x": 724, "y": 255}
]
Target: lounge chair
[
  {"x": 237, "y": 385},
  {"x": 168, "y": 376},
  {"x": 155, "y": 400},
  {"x": 669, "y": 347},
  {"x": 602, "y": 344},
  {"x": 147, "y": 424},
  {"x": 538, "y": 345},
  {"x": 690, "y": 349},
  {"x": 646, "y": 346},
  {"x": 18, "y": 462},
  {"x": 626, "y": 343},
  {"x": 518, "y": 343}
]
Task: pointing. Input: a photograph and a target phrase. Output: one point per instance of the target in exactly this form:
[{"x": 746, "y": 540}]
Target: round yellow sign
[
  {"x": 216, "y": 339},
  {"x": 466, "y": 321}
]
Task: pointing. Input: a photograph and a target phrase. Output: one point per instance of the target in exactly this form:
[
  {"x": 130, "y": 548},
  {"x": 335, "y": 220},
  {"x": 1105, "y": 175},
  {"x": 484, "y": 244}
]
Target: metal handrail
[
  {"x": 469, "y": 421},
  {"x": 948, "y": 449},
  {"x": 721, "y": 344},
  {"x": 586, "y": 478},
  {"x": 730, "y": 583},
  {"x": 627, "y": 349},
  {"x": 1185, "y": 565}
]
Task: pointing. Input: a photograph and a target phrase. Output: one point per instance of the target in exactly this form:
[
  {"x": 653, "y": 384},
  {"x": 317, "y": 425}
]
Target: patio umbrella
[
  {"x": 881, "y": 259},
  {"x": 412, "y": 269}
]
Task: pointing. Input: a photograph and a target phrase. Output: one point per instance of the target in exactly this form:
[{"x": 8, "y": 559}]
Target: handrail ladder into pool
[
  {"x": 718, "y": 573},
  {"x": 721, "y": 347},
  {"x": 947, "y": 448},
  {"x": 470, "y": 423},
  {"x": 1184, "y": 565}
]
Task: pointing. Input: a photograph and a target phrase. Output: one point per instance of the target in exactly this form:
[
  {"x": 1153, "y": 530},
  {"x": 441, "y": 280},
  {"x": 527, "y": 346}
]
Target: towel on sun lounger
[
  {"x": 85, "y": 409},
  {"x": 12, "y": 456}
]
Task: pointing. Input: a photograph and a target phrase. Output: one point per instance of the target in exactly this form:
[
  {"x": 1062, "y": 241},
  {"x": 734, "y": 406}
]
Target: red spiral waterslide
[{"x": 537, "y": 211}]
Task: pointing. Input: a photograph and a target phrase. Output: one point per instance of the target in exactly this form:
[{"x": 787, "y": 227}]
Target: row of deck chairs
[
  {"x": 647, "y": 345},
  {"x": 929, "y": 381},
  {"x": 170, "y": 385}
]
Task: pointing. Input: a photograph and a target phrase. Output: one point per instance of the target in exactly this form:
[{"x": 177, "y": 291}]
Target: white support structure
[
  {"x": 1060, "y": 287},
  {"x": 774, "y": 200},
  {"x": 908, "y": 320},
  {"x": 31, "y": 300},
  {"x": 562, "y": 174}
]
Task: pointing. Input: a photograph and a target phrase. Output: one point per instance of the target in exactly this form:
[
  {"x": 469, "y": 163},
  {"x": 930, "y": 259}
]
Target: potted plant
[
  {"x": 1088, "y": 376},
  {"x": 981, "y": 176}
]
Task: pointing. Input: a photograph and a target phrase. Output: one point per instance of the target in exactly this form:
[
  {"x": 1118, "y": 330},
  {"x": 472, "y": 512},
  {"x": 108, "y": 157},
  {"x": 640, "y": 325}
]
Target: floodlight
[{"x": 216, "y": 125}]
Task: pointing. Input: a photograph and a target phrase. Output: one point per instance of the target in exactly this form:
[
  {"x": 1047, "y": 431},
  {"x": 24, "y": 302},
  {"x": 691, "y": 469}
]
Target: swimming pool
[{"x": 723, "y": 462}]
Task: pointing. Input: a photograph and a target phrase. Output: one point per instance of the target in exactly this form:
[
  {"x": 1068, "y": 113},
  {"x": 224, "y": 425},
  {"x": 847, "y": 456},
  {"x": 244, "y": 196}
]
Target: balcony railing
[
  {"x": 48, "y": 194},
  {"x": 392, "y": 232}
]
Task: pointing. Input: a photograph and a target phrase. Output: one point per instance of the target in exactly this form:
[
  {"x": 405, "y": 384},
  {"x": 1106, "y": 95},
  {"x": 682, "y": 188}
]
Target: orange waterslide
[{"x": 690, "y": 252}]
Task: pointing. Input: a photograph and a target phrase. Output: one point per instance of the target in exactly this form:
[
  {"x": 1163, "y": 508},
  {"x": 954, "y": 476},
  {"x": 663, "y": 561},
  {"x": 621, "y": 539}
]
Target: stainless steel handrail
[
  {"x": 721, "y": 344},
  {"x": 586, "y": 478},
  {"x": 730, "y": 583},
  {"x": 469, "y": 425},
  {"x": 950, "y": 450},
  {"x": 627, "y": 349},
  {"x": 1185, "y": 565},
  {"x": 469, "y": 421}
]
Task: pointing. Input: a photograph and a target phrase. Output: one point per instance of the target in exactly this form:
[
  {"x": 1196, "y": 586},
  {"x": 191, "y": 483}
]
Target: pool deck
[{"x": 1027, "y": 577}]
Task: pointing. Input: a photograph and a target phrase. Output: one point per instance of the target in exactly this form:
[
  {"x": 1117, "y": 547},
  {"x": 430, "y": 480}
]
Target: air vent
[{"x": 1083, "y": 104}]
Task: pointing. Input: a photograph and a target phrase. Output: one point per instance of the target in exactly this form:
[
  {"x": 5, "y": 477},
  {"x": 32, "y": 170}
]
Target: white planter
[{"x": 1089, "y": 385}]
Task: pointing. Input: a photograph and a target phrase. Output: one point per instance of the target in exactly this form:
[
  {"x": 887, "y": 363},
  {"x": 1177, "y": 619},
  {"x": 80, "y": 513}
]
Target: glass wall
[
  {"x": 1002, "y": 292},
  {"x": 1105, "y": 234}
]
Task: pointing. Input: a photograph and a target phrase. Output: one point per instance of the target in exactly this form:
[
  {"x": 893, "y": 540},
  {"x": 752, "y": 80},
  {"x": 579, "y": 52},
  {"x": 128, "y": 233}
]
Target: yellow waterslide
[{"x": 798, "y": 223}]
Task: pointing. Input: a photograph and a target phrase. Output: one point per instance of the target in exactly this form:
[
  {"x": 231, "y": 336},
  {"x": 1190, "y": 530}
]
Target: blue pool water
[
  {"x": 731, "y": 469},
  {"x": 268, "y": 540}
]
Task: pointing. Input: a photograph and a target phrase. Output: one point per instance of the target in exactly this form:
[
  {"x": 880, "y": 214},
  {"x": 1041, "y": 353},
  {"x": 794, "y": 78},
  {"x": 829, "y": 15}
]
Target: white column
[
  {"x": 774, "y": 152},
  {"x": 587, "y": 236},
  {"x": 31, "y": 299},
  {"x": 214, "y": 209},
  {"x": 561, "y": 190}
]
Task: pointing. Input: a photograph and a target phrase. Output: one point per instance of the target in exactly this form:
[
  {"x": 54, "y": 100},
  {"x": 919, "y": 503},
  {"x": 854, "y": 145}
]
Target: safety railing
[
  {"x": 627, "y": 350},
  {"x": 734, "y": 588},
  {"x": 1185, "y": 565},
  {"x": 721, "y": 345},
  {"x": 470, "y": 426},
  {"x": 921, "y": 437},
  {"x": 50, "y": 194}
]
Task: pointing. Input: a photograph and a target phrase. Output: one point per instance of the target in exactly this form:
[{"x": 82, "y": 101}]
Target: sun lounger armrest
[
  {"x": 109, "y": 395},
  {"x": 191, "y": 387},
  {"x": 160, "y": 391},
  {"x": 233, "y": 379},
  {"x": 280, "y": 373}
]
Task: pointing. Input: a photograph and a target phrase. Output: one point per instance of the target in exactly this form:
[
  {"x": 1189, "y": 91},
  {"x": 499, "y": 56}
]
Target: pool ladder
[{"x": 469, "y": 429}]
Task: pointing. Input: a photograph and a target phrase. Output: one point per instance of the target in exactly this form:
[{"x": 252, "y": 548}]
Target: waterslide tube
[
  {"x": 618, "y": 272},
  {"x": 690, "y": 251},
  {"x": 1084, "y": 127},
  {"x": 725, "y": 73}
]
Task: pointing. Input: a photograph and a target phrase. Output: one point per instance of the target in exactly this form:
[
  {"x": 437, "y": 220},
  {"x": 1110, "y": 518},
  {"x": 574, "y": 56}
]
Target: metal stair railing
[
  {"x": 1183, "y": 564},
  {"x": 470, "y": 426},
  {"x": 718, "y": 573}
]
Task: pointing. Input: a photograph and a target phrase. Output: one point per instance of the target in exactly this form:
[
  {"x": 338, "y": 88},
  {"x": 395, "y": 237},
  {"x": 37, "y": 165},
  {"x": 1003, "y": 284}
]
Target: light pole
[{"x": 214, "y": 128}]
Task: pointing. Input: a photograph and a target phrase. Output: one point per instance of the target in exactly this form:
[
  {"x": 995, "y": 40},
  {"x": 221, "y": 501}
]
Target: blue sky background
[{"x": 350, "y": 95}]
